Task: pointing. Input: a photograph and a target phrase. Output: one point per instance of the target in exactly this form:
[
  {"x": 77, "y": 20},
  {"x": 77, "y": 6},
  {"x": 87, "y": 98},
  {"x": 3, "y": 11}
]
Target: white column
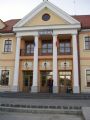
[
  {"x": 16, "y": 69},
  {"x": 75, "y": 65},
  {"x": 35, "y": 67},
  {"x": 0, "y": 72},
  {"x": 55, "y": 80}
]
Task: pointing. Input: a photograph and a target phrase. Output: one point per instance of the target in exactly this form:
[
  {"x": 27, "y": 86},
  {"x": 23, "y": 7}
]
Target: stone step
[
  {"x": 40, "y": 109},
  {"x": 44, "y": 95}
]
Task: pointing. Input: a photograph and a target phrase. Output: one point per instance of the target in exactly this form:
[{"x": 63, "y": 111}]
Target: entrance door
[
  {"x": 65, "y": 82},
  {"x": 27, "y": 81},
  {"x": 45, "y": 77}
]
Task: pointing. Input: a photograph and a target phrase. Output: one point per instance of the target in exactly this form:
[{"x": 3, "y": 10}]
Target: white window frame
[
  {"x": 84, "y": 42},
  {"x": 4, "y": 45},
  {"x": 86, "y": 77},
  {"x": 9, "y": 77}
]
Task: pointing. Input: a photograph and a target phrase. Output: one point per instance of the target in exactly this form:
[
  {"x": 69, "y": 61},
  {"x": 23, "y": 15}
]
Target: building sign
[{"x": 45, "y": 32}]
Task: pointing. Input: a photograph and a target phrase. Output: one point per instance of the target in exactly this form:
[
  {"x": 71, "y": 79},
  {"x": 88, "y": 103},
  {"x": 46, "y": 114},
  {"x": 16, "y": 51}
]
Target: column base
[
  {"x": 55, "y": 89},
  {"x": 15, "y": 89},
  {"x": 76, "y": 89},
  {"x": 34, "y": 89}
]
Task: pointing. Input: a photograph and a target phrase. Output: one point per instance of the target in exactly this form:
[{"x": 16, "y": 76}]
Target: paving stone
[{"x": 86, "y": 113}]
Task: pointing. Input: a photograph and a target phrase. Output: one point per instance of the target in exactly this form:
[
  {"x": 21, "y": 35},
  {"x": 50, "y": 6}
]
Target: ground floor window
[
  {"x": 4, "y": 77},
  {"x": 88, "y": 78}
]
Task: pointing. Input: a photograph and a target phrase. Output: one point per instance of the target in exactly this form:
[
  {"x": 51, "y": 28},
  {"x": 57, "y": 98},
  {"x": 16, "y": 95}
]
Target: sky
[{"x": 17, "y": 9}]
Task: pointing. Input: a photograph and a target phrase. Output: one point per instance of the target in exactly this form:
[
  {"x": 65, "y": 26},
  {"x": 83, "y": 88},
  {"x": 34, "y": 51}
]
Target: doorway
[
  {"x": 27, "y": 81},
  {"x": 45, "y": 76},
  {"x": 65, "y": 81}
]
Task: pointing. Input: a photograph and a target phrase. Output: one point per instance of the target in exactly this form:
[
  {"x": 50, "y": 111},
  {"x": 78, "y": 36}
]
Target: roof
[
  {"x": 9, "y": 26},
  {"x": 83, "y": 19}
]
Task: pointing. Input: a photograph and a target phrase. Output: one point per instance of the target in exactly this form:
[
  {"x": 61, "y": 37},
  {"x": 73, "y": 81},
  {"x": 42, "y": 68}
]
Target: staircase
[{"x": 45, "y": 95}]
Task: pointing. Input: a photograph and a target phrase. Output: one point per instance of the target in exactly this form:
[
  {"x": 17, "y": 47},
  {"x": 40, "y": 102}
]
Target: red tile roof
[
  {"x": 83, "y": 19},
  {"x": 9, "y": 26}
]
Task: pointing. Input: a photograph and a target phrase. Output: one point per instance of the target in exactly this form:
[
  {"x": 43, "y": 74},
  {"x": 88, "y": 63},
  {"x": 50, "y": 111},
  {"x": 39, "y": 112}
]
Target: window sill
[
  {"x": 4, "y": 85},
  {"x": 7, "y": 52},
  {"x": 86, "y": 50}
]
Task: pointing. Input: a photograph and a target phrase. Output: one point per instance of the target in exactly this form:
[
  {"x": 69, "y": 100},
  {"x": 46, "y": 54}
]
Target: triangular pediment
[
  {"x": 57, "y": 16},
  {"x": 54, "y": 19}
]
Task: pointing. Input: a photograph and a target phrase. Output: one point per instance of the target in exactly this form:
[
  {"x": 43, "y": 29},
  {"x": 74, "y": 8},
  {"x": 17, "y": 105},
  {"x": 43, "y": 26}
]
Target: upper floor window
[
  {"x": 29, "y": 48},
  {"x": 87, "y": 43},
  {"x": 65, "y": 47},
  {"x": 4, "y": 77},
  {"x": 47, "y": 47},
  {"x": 7, "y": 45},
  {"x": 88, "y": 78}
]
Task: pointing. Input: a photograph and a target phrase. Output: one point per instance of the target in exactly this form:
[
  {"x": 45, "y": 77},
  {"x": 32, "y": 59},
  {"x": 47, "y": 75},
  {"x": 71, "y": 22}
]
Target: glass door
[
  {"x": 65, "y": 82},
  {"x": 27, "y": 81},
  {"x": 46, "y": 82}
]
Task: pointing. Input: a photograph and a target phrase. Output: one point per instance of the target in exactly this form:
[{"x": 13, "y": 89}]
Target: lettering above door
[{"x": 45, "y": 32}]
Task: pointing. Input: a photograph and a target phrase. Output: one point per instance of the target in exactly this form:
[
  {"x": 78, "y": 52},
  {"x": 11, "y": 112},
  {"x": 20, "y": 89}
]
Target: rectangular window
[
  {"x": 7, "y": 45},
  {"x": 87, "y": 43},
  {"x": 29, "y": 48},
  {"x": 65, "y": 47},
  {"x": 4, "y": 77},
  {"x": 88, "y": 77},
  {"x": 47, "y": 47}
]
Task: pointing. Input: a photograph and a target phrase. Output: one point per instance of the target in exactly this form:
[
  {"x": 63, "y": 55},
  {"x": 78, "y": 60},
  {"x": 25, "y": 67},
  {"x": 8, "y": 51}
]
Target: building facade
[{"x": 46, "y": 45}]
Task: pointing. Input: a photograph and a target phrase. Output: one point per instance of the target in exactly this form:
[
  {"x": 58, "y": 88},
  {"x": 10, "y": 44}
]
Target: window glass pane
[
  {"x": 32, "y": 45},
  {"x": 49, "y": 50},
  {"x": 44, "y": 45},
  {"x": 61, "y": 44},
  {"x": 88, "y": 72},
  {"x": 67, "y": 50},
  {"x": 44, "y": 50},
  {"x": 4, "y": 77},
  {"x": 49, "y": 45},
  {"x": 61, "y": 50},
  {"x": 67, "y": 44}
]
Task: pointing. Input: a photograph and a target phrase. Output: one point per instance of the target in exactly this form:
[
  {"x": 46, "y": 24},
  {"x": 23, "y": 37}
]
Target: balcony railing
[
  {"x": 24, "y": 52},
  {"x": 45, "y": 51},
  {"x": 64, "y": 51}
]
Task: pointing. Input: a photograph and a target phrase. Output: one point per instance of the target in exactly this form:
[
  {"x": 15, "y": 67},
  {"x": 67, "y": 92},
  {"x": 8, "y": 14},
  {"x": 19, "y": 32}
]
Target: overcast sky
[{"x": 14, "y": 9}]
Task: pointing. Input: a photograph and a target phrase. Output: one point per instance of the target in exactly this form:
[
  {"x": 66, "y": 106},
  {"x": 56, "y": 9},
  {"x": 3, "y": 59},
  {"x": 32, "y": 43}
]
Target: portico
[{"x": 47, "y": 46}]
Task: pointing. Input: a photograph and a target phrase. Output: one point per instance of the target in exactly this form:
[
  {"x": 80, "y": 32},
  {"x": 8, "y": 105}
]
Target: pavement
[
  {"x": 29, "y": 116},
  {"x": 84, "y": 104}
]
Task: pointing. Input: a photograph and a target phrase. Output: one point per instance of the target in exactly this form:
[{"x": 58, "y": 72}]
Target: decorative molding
[
  {"x": 52, "y": 7},
  {"x": 65, "y": 64},
  {"x": 27, "y": 65},
  {"x": 42, "y": 27},
  {"x": 47, "y": 64}
]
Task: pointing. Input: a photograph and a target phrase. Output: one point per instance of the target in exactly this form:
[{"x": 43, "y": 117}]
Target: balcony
[
  {"x": 24, "y": 52},
  {"x": 64, "y": 51},
  {"x": 45, "y": 51}
]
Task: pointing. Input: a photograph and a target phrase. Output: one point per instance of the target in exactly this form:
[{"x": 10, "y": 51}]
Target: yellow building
[{"x": 46, "y": 51}]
